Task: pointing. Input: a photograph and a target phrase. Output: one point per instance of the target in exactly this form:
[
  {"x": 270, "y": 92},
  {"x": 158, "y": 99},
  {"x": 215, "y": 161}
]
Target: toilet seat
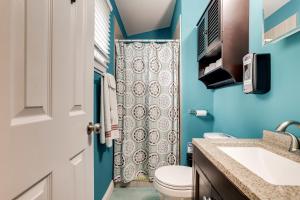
[
  {"x": 172, "y": 186},
  {"x": 174, "y": 181}
]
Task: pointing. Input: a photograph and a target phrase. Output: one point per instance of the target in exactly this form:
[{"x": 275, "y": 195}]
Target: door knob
[{"x": 93, "y": 128}]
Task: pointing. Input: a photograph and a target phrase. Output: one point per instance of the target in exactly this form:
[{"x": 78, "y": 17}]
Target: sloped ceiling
[{"x": 140, "y": 16}]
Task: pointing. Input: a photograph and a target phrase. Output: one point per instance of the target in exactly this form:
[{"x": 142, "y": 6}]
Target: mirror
[{"x": 281, "y": 19}]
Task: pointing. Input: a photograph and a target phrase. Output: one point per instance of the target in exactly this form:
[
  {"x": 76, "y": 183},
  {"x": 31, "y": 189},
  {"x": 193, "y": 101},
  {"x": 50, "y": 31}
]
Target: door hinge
[{"x": 73, "y": 1}]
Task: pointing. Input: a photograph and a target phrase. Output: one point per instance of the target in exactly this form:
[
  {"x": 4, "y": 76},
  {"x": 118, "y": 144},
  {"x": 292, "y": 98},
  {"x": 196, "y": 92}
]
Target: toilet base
[{"x": 164, "y": 197}]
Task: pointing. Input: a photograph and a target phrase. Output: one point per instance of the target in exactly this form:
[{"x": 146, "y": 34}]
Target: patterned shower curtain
[{"x": 147, "y": 92}]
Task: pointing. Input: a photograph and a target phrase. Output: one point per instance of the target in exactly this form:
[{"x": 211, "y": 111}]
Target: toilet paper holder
[{"x": 198, "y": 113}]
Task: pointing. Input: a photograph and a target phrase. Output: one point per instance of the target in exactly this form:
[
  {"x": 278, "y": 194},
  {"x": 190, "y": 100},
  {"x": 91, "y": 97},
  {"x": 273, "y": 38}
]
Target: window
[{"x": 102, "y": 32}]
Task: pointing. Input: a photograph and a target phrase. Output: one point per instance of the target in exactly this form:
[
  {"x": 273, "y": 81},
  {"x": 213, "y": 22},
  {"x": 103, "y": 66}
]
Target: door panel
[
  {"x": 46, "y": 84},
  {"x": 31, "y": 57},
  {"x": 40, "y": 191},
  {"x": 78, "y": 23},
  {"x": 38, "y": 32},
  {"x": 79, "y": 182}
]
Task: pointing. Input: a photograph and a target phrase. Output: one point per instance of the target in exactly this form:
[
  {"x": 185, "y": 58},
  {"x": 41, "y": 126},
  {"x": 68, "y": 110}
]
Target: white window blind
[{"x": 102, "y": 32}]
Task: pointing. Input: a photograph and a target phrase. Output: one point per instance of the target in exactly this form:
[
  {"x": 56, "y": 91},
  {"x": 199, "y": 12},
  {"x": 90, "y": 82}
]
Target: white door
[{"x": 46, "y": 85}]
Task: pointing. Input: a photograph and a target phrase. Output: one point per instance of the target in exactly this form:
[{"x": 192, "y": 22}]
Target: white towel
[{"x": 109, "y": 111}]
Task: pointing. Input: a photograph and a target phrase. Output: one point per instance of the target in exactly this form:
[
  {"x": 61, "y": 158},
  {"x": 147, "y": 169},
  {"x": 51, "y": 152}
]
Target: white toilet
[{"x": 176, "y": 182}]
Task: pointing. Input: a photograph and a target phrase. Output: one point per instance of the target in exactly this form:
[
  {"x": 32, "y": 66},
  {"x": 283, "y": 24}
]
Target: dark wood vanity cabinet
[
  {"x": 211, "y": 184},
  {"x": 223, "y": 35}
]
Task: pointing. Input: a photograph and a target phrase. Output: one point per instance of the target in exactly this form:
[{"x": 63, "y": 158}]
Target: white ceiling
[
  {"x": 140, "y": 16},
  {"x": 271, "y": 6}
]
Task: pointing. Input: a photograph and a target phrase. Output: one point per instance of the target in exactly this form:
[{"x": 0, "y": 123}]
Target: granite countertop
[{"x": 249, "y": 183}]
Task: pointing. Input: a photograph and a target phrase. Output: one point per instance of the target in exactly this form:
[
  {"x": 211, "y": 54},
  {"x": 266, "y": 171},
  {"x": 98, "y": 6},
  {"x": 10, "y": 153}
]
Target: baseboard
[{"x": 109, "y": 191}]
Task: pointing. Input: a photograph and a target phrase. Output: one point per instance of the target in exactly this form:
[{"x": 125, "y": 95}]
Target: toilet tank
[
  {"x": 208, "y": 135},
  {"x": 214, "y": 135}
]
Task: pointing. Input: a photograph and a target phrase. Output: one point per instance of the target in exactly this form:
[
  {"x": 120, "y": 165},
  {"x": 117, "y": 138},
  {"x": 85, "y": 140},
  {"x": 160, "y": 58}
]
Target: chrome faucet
[{"x": 295, "y": 145}]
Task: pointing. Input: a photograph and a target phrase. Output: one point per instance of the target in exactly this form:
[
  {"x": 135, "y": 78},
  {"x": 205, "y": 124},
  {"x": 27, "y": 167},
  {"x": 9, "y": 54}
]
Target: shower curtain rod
[{"x": 146, "y": 40}]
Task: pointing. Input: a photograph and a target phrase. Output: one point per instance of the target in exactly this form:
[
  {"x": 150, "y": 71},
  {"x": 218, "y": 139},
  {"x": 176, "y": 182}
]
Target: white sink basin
[{"x": 271, "y": 167}]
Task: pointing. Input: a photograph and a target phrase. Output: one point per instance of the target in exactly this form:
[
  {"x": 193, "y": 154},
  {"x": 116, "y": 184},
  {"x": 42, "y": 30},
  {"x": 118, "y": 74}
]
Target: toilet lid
[{"x": 175, "y": 176}]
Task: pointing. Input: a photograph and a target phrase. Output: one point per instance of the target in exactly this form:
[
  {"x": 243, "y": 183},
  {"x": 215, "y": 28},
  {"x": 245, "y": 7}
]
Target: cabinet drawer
[{"x": 219, "y": 183}]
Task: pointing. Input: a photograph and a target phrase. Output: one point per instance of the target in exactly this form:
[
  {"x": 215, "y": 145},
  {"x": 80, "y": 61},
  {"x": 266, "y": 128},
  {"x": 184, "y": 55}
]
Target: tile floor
[{"x": 135, "y": 193}]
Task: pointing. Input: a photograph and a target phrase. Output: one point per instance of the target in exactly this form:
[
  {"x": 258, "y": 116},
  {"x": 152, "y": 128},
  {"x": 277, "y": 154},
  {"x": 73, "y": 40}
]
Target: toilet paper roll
[{"x": 201, "y": 113}]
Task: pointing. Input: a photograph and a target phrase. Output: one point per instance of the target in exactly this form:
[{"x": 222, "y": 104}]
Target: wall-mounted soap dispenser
[{"x": 257, "y": 73}]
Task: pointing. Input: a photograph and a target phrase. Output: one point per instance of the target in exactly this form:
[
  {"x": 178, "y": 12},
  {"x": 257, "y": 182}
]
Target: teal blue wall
[
  {"x": 193, "y": 93},
  {"x": 103, "y": 156},
  {"x": 103, "y": 159},
  {"x": 118, "y": 18},
  {"x": 176, "y": 15},
  {"x": 164, "y": 33},
  {"x": 247, "y": 115},
  {"x": 290, "y": 8}
]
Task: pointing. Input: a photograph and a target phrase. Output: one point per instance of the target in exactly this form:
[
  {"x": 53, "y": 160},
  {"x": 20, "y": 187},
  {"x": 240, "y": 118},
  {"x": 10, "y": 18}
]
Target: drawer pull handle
[{"x": 207, "y": 198}]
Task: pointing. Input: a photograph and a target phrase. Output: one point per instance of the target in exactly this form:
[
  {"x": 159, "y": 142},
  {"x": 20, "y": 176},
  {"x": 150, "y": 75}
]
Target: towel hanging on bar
[{"x": 109, "y": 111}]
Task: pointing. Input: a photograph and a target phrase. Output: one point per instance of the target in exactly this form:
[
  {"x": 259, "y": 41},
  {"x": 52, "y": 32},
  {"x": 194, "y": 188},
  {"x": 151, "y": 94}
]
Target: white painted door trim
[{"x": 109, "y": 191}]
